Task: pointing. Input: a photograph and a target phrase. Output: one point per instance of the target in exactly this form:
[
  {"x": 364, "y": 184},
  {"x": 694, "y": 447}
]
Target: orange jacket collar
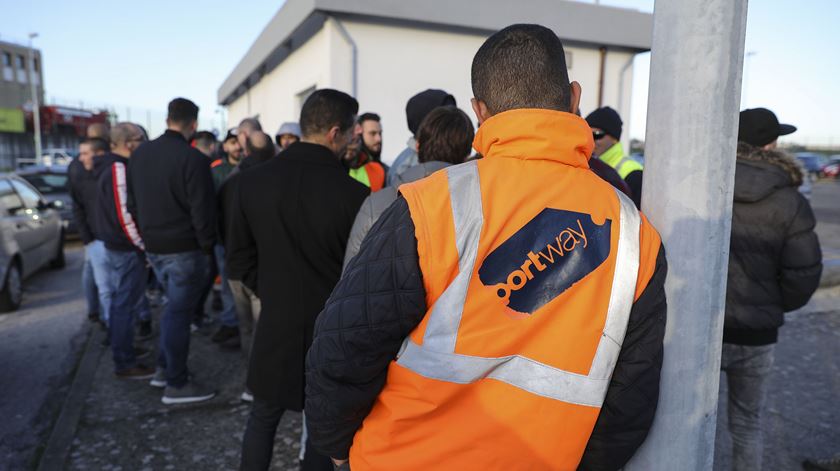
[{"x": 536, "y": 134}]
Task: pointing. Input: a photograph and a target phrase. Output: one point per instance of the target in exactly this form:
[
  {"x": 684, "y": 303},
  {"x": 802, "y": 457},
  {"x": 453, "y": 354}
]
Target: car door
[
  {"x": 42, "y": 221},
  {"x": 18, "y": 227}
]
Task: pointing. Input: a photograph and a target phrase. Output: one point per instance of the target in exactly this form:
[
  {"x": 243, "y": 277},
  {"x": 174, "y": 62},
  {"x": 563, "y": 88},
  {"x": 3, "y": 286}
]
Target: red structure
[{"x": 65, "y": 120}]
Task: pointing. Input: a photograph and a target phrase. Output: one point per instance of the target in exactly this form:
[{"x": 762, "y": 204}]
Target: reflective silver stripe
[
  {"x": 465, "y": 198},
  {"x": 438, "y": 360}
]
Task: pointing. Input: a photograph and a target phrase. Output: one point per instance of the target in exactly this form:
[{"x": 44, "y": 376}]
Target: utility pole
[
  {"x": 36, "y": 105},
  {"x": 697, "y": 60}
]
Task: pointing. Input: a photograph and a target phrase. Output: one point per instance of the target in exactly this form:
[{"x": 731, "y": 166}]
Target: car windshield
[{"x": 48, "y": 183}]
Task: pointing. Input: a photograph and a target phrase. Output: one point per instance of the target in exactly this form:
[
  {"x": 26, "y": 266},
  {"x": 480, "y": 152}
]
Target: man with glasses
[{"x": 606, "y": 130}]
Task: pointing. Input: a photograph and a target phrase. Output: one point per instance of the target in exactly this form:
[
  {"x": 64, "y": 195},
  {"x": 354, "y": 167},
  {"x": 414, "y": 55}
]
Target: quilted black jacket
[
  {"x": 381, "y": 299},
  {"x": 775, "y": 260}
]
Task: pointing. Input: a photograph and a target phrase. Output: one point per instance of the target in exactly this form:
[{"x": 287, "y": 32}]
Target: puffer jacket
[
  {"x": 775, "y": 261},
  {"x": 378, "y": 202}
]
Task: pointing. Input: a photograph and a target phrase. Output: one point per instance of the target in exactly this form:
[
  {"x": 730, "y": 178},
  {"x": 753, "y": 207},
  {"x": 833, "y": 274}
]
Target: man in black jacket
[
  {"x": 171, "y": 194},
  {"x": 775, "y": 265},
  {"x": 123, "y": 249},
  {"x": 82, "y": 189},
  {"x": 286, "y": 241},
  {"x": 382, "y": 298}
]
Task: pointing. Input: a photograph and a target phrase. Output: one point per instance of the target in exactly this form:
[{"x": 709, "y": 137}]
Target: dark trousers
[
  {"x": 129, "y": 273},
  {"x": 183, "y": 278},
  {"x": 258, "y": 443}
]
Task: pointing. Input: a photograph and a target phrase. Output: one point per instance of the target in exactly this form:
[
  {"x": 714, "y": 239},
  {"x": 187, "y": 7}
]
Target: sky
[{"x": 136, "y": 56}]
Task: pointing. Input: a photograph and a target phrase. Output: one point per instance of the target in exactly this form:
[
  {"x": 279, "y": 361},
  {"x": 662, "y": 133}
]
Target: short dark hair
[
  {"x": 182, "y": 111},
  {"x": 368, "y": 117},
  {"x": 326, "y": 108},
  {"x": 522, "y": 66},
  {"x": 446, "y": 135},
  {"x": 97, "y": 144},
  {"x": 253, "y": 124},
  {"x": 260, "y": 146},
  {"x": 204, "y": 138}
]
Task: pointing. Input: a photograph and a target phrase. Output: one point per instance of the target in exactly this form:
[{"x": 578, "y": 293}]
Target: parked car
[
  {"x": 812, "y": 163},
  {"x": 52, "y": 183},
  {"x": 31, "y": 237},
  {"x": 58, "y": 156},
  {"x": 831, "y": 169}
]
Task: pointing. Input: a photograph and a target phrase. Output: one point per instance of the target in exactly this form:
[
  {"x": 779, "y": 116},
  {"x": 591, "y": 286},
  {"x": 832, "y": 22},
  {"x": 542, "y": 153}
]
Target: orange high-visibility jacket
[{"x": 531, "y": 264}]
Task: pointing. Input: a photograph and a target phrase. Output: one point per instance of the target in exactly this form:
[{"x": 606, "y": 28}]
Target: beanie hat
[
  {"x": 422, "y": 104},
  {"x": 607, "y": 119}
]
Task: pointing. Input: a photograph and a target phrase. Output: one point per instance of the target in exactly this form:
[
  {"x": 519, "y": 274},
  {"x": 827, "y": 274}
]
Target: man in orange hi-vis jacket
[{"x": 506, "y": 313}]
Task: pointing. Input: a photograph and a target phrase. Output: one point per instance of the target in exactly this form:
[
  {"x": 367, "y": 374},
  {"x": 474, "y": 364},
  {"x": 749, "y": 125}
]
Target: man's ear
[
  {"x": 482, "y": 114},
  {"x": 332, "y": 134},
  {"x": 416, "y": 146},
  {"x": 574, "y": 97}
]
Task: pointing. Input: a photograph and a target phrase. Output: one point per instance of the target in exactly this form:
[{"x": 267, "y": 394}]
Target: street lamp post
[{"x": 36, "y": 105}]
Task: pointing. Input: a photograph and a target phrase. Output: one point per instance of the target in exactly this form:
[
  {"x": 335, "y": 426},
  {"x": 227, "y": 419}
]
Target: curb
[{"x": 64, "y": 430}]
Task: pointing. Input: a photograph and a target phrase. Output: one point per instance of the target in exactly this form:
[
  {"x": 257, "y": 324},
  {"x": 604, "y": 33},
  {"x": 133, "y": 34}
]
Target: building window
[
  {"x": 21, "y": 62},
  {"x": 35, "y": 64},
  {"x": 7, "y": 59}
]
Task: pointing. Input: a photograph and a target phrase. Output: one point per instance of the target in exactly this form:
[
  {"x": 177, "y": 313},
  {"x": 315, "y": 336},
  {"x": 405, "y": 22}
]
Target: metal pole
[
  {"x": 36, "y": 105},
  {"x": 695, "y": 87}
]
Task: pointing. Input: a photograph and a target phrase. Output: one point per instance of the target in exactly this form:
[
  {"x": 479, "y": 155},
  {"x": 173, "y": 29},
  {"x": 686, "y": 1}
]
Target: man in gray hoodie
[{"x": 444, "y": 138}]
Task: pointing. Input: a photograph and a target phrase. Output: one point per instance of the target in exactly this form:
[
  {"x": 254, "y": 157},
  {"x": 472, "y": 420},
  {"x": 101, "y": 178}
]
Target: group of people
[{"x": 496, "y": 310}]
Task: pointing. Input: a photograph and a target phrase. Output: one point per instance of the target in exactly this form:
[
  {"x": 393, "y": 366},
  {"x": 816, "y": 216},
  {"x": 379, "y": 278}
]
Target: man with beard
[
  {"x": 227, "y": 336},
  {"x": 363, "y": 156},
  {"x": 221, "y": 168},
  {"x": 288, "y": 231}
]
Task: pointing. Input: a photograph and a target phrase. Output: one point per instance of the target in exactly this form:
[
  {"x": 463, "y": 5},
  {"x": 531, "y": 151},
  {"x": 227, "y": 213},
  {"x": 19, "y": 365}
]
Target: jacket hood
[
  {"x": 536, "y": 134},
  {"x": 420, "y": 171},
  {"x": 760, "y": 172}
]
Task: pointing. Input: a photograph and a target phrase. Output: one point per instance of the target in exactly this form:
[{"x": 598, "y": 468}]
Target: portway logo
[{"x": 553, "y": 251}]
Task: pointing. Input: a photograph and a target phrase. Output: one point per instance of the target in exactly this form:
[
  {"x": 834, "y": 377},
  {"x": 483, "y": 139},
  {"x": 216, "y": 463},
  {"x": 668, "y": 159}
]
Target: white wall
[
  {"x": 274, "y": 98},
  {"x": 395, "y": 63}
]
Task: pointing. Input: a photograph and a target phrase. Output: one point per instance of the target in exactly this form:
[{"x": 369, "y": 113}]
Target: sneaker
[
  {"x": 159, "y": 378},
  {"x": 194, "y": 327},
  {"x": 830, "y": 464},
  {"x": 190, "y": 392},
  {"x": 138, "y": 372},
  {"x": 145, "y": 330},
  {"x": 225, "y": 333},
  {"x": 246, "y": 396}
]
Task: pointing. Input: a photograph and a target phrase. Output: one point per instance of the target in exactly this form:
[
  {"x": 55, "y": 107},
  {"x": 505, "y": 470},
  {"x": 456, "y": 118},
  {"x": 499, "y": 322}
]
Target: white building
[{"x": 384, "y": 51}]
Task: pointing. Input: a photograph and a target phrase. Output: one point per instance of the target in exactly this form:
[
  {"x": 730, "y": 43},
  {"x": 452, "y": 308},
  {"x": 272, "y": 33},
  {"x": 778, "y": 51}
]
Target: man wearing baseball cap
[{"x": 774, "y": 267}]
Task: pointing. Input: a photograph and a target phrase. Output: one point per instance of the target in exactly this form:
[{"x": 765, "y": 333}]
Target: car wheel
[
  {"x": 58, "y": 262},
  {"x": 12, "y": 292}
]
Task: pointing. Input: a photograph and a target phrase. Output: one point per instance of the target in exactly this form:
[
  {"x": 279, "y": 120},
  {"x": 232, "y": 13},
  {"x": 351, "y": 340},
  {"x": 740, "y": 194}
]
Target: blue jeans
[
  {"x": 102, "y": 276},
  {"x": 129, "y": 276},
  {"x": 183, "y": 278},
  {"x": 228, "y": 316},
  {"x": 747, "y": 369},
  {"x": 89, "y": 285}
]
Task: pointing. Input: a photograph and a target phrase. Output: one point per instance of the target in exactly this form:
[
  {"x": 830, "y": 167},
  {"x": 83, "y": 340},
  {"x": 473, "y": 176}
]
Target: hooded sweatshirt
[{"x": 775, "y": 260}]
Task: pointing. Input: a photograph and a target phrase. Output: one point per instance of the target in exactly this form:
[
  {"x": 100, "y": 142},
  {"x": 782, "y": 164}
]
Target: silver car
[{"x": 30, "y": 237}]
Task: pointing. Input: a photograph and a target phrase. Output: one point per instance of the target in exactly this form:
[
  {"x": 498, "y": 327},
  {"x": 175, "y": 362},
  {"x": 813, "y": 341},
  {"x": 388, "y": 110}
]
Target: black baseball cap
[{"x": 759, "y": 127}]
